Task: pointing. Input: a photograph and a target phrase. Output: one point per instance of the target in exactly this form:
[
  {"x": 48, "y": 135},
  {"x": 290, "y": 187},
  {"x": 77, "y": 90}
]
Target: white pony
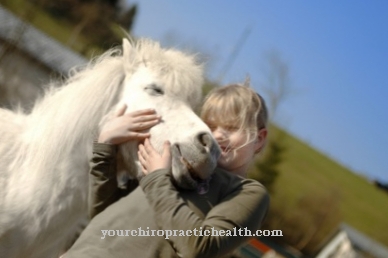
[{"x": 44, "y": 155}]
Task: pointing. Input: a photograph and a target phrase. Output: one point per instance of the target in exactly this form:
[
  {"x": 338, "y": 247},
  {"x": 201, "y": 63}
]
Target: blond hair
[{"x": 235, "y": 106}]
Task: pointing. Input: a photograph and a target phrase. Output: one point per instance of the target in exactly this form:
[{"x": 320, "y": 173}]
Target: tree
[
  {"x": 266, "y": 168},
  {"x": 96, "y": 20},
  {"x": 276, "y": 88},
  {"x": 308, "y": 223},
  {"x": 276, "y": 84},
  {"x": 126, "y": 19}
]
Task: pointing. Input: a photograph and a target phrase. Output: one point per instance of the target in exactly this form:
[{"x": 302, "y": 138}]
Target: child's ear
[{"x": 261, "y": 140}]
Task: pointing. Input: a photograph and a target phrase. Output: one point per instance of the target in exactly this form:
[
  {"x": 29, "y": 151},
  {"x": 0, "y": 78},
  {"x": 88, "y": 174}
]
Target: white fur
[{"x": 45, "y": 154}]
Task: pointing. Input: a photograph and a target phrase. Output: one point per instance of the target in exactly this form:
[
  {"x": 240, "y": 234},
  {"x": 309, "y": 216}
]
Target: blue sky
[{"x": 336, "y": 51}]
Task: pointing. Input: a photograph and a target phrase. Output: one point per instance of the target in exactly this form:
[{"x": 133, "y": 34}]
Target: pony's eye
[
  {"x": 158, "y": 90},
  {"x": 154, "y": 89}
]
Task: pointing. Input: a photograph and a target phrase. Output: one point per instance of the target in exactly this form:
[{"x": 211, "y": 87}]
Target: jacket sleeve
[
  {"x": 103, "y": 186},
  {"x": 243, "y": 207}
]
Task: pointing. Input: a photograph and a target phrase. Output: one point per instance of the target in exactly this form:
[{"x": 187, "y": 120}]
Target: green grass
[{"x": 305, "y": 171}]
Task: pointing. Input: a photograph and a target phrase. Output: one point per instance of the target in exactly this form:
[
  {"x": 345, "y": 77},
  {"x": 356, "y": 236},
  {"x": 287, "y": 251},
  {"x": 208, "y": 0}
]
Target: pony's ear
[
  {"x": 247, "y": 82},
  {"x": 129, "y": 54}
]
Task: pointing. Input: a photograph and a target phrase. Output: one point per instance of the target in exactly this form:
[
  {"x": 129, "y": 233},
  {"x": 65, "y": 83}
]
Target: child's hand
[
  {"x": 151, "y": 160},
  {"x": 122, "y": 128}
]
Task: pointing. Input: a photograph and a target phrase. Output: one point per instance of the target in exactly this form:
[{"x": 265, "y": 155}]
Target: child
[
  {"x": 228, "y": 207},
  {"x": 237, "y": 117}
]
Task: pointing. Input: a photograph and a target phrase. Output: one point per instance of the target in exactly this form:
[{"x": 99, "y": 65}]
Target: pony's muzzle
[
  {"x": 181, "y": 170},
  {"x": 193, "y": 164}
]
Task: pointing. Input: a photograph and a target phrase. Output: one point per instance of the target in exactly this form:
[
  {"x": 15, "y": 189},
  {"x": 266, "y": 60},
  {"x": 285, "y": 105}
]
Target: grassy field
[{"x": 305, "y": 171}]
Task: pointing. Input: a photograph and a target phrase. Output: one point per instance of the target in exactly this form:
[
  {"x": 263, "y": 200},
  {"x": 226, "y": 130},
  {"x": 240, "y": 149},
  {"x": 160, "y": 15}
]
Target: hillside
[{"x": 306, "y": 171}]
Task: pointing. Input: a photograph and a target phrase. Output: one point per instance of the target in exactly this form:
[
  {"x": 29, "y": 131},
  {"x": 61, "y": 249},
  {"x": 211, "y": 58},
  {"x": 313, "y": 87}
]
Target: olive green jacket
[{"x": 231, "y": 203}]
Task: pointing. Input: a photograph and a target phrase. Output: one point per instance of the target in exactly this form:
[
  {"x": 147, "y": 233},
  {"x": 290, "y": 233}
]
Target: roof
[
  {"x": 363, "y": 242},
  {"x": 37, "y": 44}
]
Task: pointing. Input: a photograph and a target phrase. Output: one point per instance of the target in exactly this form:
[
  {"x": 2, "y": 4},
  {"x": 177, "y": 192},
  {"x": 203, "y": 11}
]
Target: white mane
[{"x": 59, "y": 125}]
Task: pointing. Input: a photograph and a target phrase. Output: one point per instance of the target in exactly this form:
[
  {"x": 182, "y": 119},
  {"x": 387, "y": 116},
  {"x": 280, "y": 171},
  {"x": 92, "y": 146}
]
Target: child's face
[{"x": 237, "y": 149}]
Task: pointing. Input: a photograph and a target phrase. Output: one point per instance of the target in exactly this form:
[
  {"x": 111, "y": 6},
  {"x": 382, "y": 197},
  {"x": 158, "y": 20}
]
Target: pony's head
[{"x": 170, "y": 82}]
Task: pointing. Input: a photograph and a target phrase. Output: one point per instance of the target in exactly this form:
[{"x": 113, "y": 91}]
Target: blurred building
[
  {"x": 29, "y": 59},
  {"x": 346, "y": 242},
  {"x": 264, "y": 247},
  {"x": 350, "y": 243}
]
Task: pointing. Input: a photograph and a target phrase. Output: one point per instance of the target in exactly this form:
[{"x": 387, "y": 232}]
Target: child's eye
[{"x": 231, "y": 128}]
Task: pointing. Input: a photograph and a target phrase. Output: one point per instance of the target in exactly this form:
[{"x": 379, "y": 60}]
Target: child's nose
[{"x": 218, "y": 133}]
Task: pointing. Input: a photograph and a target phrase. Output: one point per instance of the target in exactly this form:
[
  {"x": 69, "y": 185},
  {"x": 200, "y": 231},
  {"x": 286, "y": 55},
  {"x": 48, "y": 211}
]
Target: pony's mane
[{"x": 67, "y": 116}]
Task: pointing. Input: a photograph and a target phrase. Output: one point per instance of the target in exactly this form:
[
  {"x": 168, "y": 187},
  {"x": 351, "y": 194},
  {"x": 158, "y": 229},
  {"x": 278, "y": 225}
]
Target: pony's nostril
[
  {"x": 208, "y": 145},
  {"x": 205, "y": 139}
]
